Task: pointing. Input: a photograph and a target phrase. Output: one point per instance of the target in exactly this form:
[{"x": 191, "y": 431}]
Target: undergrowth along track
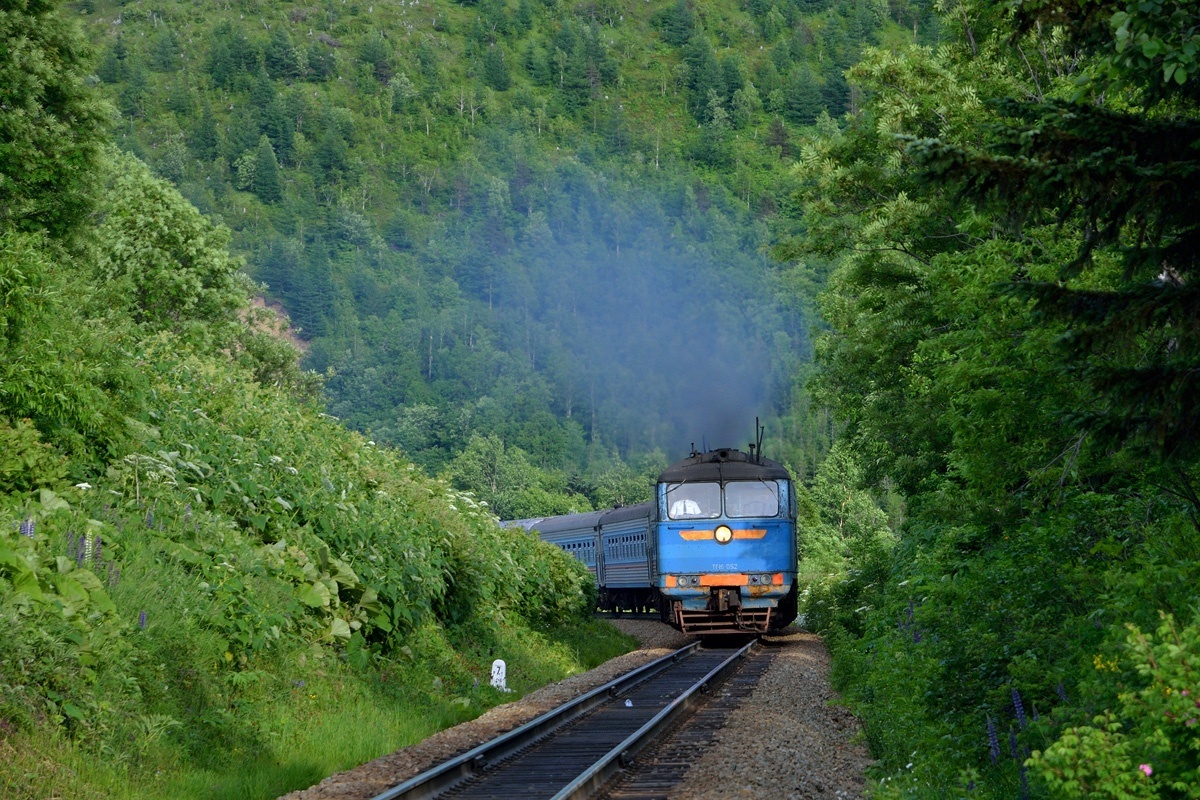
[{"x": 575, "y": 749}]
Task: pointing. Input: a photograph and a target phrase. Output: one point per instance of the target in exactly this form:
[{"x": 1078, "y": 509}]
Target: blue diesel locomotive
[{"x": 714, "y": 552}]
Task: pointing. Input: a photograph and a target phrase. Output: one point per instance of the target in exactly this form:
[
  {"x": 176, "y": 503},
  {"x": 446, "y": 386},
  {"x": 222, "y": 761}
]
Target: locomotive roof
[{"x": 723, "y": 465}]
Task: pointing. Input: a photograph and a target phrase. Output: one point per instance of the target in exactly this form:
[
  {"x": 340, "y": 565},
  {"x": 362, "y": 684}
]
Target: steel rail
[
  {"x": 589, "y": 782},
  {"x": 437, "y": 780}
]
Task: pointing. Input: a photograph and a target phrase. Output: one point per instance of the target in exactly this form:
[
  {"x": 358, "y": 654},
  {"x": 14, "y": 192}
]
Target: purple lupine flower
[
  {"x": 1061, "y": 692},
  {"x": 99, "y": 544},
  {"x": 150, "y": 519},
  {"x": 1012, "y": 743},
  {"x": 142, "y": 619},
  {"x": 27, "y": 527},
  {"x": 70, "y": 541},
  {"x": 1019, "y": 707},
  {"x": 81, "y": 550},
  {"x": 1024, "y": 782},
  {"x": 993, "y": 741}
]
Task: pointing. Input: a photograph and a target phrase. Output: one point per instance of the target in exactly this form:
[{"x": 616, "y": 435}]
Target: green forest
[
  {"x": 299, "y": 298},
  {"x": 479, "y": 216}
]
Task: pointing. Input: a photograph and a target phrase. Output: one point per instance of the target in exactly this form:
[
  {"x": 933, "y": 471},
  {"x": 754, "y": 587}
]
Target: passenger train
[{"x": 714, "y": 552}]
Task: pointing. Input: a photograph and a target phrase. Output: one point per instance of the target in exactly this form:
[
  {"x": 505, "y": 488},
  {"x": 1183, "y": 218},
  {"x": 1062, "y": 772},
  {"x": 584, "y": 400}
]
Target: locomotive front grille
[{"x": 737, "y": 620}]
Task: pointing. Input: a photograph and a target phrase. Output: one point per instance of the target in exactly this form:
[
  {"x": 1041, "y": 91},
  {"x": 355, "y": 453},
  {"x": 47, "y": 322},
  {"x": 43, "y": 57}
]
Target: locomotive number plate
[{"x": 725, "y": 567}]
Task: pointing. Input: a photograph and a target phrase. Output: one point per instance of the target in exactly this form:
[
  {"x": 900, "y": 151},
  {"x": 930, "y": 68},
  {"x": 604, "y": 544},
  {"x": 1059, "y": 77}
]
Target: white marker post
[{"x": 499, "y": 673}]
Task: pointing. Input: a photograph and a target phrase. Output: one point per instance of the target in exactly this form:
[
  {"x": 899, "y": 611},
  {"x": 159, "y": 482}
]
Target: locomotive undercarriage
[
  {"x": 725, "y": 612},
  {"x": 735, "y": 620}
]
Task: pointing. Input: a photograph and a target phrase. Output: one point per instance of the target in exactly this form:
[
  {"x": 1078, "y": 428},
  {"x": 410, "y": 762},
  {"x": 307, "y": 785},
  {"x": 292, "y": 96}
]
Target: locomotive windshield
[
  {"x": 743, "y": 499},
  {"x": 693, "y": 500},
  {"x": 752, "y": 499}
]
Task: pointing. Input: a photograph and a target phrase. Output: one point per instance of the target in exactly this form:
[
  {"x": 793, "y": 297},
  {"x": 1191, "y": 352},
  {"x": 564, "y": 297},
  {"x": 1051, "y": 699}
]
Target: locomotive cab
[{"x": 725, "y": 536}]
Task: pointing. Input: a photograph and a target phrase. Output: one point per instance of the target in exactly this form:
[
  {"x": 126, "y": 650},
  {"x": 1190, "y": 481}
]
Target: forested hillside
[{"x": 544, "y": 221}]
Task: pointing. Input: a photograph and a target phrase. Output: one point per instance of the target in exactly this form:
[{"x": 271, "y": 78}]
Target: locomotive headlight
[{"x": 723, "y": 534}]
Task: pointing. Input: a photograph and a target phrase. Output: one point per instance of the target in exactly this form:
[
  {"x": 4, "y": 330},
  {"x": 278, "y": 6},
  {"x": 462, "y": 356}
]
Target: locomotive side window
[
  {"x": 752, "y": 499},
  {"x": 693, "y": 500}
]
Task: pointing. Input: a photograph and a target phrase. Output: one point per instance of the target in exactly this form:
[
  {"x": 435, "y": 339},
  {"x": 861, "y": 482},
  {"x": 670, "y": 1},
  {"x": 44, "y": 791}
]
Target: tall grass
[{"x": 302, "y": 719}]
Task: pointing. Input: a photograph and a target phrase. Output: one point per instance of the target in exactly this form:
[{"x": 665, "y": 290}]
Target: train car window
[
  {"x": 693, "y": 500},
  {"x": 752, "y": 499}
]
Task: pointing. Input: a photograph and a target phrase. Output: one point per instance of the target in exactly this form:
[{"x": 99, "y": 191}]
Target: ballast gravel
[{"x": 786, "y": 737}]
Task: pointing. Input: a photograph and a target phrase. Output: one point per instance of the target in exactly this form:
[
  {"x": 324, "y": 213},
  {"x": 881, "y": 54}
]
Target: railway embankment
[{"x": 788, "y": 738}]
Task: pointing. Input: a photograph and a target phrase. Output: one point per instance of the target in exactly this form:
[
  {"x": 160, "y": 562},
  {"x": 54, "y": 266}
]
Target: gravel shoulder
[
  {"x": 787, "y": 735},
  {"x": 789, "y": 739}
]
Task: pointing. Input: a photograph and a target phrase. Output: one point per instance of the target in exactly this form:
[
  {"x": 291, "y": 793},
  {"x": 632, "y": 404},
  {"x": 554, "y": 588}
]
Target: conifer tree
[
  {"x": 204, "y": 139},
  {"x": 277, "y": 124},
  {"x": 732, "y": 77},
  {"x": 704, "y": 74},
  {"x": 777, "y": 136},
  {"x": 220, "y": 64},
  {"x": 266, "y": 183},
  {"x": 112, "y": 68},
  {"x": 164, "y": 52},
  {"x": 322, "y": 63},
  {"x": 242, "y": 133},
  {"x": 262, "y": 91},
  {"x": 835, "y": 93},
  {"x": 132, "y": 97},
  {"x": 579, "y": 78},
  {"x": 803, "y": 101},
  {"x": 280, "y": 57},
  {"x": 678, "y": 23},
  {"x": 495, "y": 70},
  {"x": 378, "y": 54},
  {"x": 330, "y": 155},
  {"x": 537, "y": 64}
]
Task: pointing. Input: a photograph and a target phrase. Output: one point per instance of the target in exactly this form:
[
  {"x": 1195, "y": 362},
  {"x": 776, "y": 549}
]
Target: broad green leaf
[
  {"x": 315, "y": 594},
  {"x": 339, "y": 628}
]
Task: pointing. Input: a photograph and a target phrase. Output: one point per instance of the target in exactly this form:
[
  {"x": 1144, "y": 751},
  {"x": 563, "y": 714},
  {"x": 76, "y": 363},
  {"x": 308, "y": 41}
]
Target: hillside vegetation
[
  {"x": 208, "y": 587},
  {"x": 542, "y": 221},
  {"x": 1013, "y": 352}
]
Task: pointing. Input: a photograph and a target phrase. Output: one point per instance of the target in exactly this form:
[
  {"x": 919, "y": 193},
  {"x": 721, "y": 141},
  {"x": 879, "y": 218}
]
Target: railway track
[
  {"x": 597, "y": 741},
  {"x": 653, "y": 616}
]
